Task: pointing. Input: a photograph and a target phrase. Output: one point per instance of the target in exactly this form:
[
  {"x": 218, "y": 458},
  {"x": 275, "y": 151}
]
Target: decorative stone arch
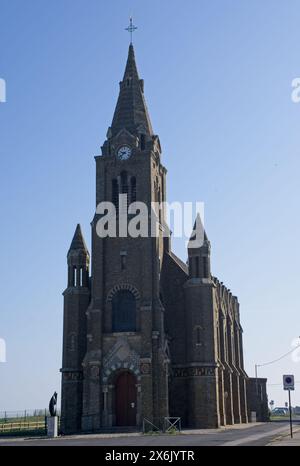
[
  {"x": 112, "y": 371},
  {"x": 123, "y": 286}
]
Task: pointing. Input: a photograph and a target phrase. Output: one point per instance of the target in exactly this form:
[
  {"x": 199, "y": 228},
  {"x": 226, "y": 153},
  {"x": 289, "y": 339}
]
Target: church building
[{"x": 147, "y": 336}]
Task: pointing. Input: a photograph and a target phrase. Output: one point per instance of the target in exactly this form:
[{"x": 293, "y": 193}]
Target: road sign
[{"x": 288, "y": 382}]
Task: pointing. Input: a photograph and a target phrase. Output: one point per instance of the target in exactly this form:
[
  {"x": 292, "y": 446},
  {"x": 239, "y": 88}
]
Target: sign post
[
  {"x": 289, "y": 384},
  {"x": 290, "y": 408}
]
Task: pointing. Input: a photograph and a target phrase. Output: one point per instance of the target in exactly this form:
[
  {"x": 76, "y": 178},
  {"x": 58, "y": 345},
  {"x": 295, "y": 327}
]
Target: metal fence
[
  {"x": 169, "y": 425},
  {"x": 27, "y": 422}
]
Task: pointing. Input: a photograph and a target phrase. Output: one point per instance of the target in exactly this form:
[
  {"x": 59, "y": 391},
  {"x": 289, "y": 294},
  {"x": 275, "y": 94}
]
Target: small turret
[
  {"x": 201, "y": 330},
  {"x": 78, "y": 261},
  {"x": 199, "y": 252},
  {"x": 76, "y": 302}
]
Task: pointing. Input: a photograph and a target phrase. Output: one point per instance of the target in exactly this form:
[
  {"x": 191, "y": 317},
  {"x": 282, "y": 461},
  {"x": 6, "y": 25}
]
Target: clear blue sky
[{"x": 218, "y": 85}]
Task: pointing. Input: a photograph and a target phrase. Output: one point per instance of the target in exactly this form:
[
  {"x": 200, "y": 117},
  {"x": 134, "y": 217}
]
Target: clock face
[{"x": 124, "y": 153}]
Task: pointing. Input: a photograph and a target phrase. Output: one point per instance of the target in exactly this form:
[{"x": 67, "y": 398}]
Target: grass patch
[{"x": 172, "y": 431}]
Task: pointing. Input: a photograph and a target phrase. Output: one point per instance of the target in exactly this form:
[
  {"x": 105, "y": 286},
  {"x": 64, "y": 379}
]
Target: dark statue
[{"x": 52, "y": 405}]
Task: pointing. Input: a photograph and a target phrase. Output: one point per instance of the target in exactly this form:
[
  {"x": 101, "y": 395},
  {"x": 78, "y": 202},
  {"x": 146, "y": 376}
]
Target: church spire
[
  {"x": 131, "y": 112},
  {"x": 131, "y": 71}
]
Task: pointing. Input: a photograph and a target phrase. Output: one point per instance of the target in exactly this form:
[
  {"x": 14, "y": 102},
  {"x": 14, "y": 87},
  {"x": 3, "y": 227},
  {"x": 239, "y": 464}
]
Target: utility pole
[{"x": 256, "y": 380}]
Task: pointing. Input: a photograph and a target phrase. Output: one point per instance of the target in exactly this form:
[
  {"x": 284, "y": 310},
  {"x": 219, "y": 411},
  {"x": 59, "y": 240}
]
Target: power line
[{"x": 278, "y": 359}]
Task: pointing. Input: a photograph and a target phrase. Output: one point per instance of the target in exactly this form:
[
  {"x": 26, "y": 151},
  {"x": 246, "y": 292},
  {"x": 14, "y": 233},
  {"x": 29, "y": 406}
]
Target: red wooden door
[{"x": 125, "y": 400}]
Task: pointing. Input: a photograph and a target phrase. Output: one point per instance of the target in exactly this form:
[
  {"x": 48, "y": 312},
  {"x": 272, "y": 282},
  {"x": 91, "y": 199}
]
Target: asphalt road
[{"x": 257, "y": 435}]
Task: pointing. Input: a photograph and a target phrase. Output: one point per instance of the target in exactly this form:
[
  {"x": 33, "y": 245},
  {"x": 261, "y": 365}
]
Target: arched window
[
  {"x": 75, "y": 276},
  {"x": 133, "y": 189},
  {"x": 143, "y": 142},
  {"x": 159, "y": 202},
  {"x": 197, "y": 267},
  {"x": 124, "y": 185},
  {"x": 198, "y": 335},
  {"x": 72, "y": 276},
  {"x": 205, "y": 267},
  {"x": 123, "y": 312},
  {"x": 115, "y": 194}
]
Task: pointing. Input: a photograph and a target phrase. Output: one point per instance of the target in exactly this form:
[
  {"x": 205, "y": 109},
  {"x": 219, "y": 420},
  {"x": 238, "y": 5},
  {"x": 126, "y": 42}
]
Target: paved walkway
[
  {"x": 135, "y": 434},
  {"x": 286, "y": 440},
  {"x": 245, "y": 434}
]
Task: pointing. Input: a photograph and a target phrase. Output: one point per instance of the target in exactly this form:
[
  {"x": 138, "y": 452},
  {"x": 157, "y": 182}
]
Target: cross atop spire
[{"x": 131, "y": 29}]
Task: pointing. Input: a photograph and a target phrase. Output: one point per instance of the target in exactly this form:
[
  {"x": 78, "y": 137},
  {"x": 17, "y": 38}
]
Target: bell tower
[{"x": 125, "y": 319}]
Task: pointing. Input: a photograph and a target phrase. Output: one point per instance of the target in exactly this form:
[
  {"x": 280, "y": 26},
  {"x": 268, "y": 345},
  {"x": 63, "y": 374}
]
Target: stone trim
[
  {"x": 121, "y": 366},
  {"x": 77, "y": 290},
  {"x": 195, "y": 364},
  {"x": 199, "y": 371},
  {"x": 194, "y": 282},
  {"x": 123, "y": 286},
  {"x": 67, "y": 369},
  {"x": 92, "y": 311},
  {"x": 146, "y": 308}
]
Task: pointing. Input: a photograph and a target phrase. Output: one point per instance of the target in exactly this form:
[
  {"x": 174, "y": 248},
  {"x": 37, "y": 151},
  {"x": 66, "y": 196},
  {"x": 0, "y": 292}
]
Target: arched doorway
[{"x": 125, "y": 390}]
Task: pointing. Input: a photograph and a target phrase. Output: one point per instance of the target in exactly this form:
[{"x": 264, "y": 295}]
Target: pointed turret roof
[
  {"x": 131, "y": 112},
  {"x": 78, "y": 242},
  {"x": 198, "y": 236}
]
